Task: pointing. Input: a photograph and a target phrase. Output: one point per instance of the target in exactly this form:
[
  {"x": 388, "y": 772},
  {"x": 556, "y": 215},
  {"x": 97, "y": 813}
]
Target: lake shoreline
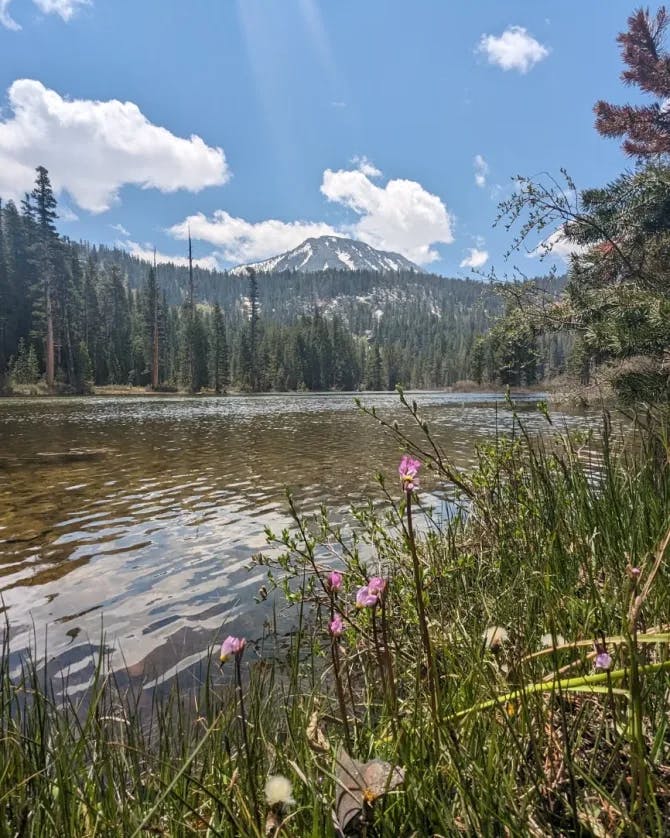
[{"x": 114, "y": 391}]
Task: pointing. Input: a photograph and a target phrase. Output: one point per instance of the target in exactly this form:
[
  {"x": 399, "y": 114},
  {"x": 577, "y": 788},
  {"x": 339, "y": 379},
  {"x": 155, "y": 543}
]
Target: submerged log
[{"x": 74, "y": 455}]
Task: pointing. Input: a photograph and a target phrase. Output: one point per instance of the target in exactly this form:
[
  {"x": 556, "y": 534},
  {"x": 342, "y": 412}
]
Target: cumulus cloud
[
  {"x": 401, "y": 216},
  {"x": 557, "y": 244},
  {"x": 146, "y": 252},
  {"x": 94, "y": 148},
  {"x": 515, "y": 49},
  {"x": 64, "y": 8},
  {"x": 366, "y": 166},
  {"x": 481, "y": 170},
  {"x": 246, "y": 241},
  {"x": 475, "y": 258}
]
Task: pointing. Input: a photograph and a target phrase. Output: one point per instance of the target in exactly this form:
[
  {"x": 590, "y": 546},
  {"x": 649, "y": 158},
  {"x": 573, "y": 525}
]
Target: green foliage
[
  {"x": 25, "y": 369},
  {"x": 509, "y": 353},
  {"x": 220, "y": 365}
]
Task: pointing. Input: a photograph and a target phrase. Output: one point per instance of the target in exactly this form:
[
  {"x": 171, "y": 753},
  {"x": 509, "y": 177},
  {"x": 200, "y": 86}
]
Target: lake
[{"x": 150, "y": 539}]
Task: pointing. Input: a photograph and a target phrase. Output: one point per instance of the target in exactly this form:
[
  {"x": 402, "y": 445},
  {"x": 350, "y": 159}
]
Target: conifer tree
[
  {"x": 91, "y": 320},
  {"x": 116, "y": 327},
  {"x": 5, "y": 301},
  {"x": 645, "y": 128},
  {"x": 167, "y": 340},
  {"x": 253, "y": 330},
  {"x": 200, "y": 353},
  {"x": 19, "y": 366},
  {"x": 42, "y": 206},
  {"x": 32, "y": 366},
  {"x": 374, "y": 368},
  {"x": 220, "y": 367},
  {"x": 69, "y": 290},
  {"x": 190, "y": 335},
  {"x": 151, "y": 324}
]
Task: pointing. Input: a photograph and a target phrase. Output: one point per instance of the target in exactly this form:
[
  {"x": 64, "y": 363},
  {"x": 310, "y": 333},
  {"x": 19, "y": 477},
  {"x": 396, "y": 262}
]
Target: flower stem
[
  {"x": 388, "y": 660},
  {"x": 423, "y": 623},
  {"x": 247, "y": 751},
  {"x": 335, "y": 652},
  {"x": 379, "y": 652}
]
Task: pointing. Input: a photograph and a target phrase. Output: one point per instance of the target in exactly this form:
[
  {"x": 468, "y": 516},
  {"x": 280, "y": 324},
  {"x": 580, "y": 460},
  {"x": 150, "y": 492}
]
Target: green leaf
[{"x": 569, "y": 684}]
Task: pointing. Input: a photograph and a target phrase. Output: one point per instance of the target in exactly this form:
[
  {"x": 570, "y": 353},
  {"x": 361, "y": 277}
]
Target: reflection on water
[{"x": 149, "y": 531}]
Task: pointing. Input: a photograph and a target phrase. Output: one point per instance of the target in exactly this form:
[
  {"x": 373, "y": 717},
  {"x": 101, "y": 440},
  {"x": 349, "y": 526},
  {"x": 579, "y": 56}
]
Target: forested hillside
[{"x": 74, "y": 315}]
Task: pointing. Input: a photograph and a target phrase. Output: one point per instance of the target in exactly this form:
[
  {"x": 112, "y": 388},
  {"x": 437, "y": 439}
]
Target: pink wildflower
[
  {"x": 334, "y": 580},
  {"x": 366, "y": 598},
  {"x": 377, "y": 586},
  {"x": 408, "y": 471},
  {"x": 603, "y": 661},
  {"x": 232, "y": 646},
  {"x": 336, "y": 626}
]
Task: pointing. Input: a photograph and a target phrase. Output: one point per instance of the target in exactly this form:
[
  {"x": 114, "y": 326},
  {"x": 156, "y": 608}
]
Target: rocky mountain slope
[{"x": 332, "y": 253}]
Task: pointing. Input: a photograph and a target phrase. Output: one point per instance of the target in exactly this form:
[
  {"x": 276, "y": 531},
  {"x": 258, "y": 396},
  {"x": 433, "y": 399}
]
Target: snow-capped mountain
[{"x": 334, "y": 253}]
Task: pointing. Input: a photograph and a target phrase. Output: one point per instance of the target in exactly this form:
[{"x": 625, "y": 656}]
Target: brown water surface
[{"x": 148, "y": 531}]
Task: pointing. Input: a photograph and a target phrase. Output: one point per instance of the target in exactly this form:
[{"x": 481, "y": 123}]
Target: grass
[{"x": 471, "y": 680}]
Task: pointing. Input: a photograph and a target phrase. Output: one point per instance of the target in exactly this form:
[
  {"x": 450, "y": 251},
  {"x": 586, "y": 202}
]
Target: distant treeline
[{"x": 76, "y": 315}]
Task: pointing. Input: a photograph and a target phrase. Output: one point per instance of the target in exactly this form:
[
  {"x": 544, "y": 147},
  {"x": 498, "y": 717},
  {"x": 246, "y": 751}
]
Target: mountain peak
[{"x": 335, "y": 253}]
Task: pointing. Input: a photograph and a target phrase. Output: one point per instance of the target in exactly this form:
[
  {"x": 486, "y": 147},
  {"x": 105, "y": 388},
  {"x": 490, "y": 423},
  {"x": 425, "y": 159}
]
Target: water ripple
[{"x": 149, "y": 530}]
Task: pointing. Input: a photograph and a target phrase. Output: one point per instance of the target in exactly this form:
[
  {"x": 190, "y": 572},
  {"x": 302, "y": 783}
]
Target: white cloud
[
  {"x": 475, "y": 258},
  {"x": 5, "y": 18},
  {"x": 245, "y": 241},
  {"x": 401, "y": 216},
  {"x": 146, "y": 252},
  {"x": 66, "y": 214},
  {"x": 94, "y": 148},
  {"x": 515, "y": 49},
  {"x": 557, "y": 244},
  {"x": 64, "y": 8},
  {"x": 481, "y": 170},
  {"x": 120, "y": 229},
  {"x": 497, "y": 191},
  {"x": 366, "y": 166}
]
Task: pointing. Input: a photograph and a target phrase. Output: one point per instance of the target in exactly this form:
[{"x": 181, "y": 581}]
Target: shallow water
[{"x": 150, "y": 537}]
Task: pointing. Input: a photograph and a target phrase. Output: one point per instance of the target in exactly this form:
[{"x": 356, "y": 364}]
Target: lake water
[{"x": 151, "y": 539}]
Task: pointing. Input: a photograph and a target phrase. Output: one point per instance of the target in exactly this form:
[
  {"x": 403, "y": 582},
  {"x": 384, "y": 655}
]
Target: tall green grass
[{"x": 474, "y": 674}]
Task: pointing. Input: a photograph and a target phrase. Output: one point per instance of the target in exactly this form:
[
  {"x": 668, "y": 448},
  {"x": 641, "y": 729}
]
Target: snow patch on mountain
[
  {"x": 345, "y": 257},
  {"x": 316, "y": 254}
]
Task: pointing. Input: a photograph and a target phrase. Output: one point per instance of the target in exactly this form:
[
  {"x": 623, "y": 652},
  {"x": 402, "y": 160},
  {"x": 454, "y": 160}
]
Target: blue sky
[{"x": 260, "y": 122}]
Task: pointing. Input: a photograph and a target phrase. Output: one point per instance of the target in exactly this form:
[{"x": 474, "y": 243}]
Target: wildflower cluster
[{"x": 369, "y": 595}]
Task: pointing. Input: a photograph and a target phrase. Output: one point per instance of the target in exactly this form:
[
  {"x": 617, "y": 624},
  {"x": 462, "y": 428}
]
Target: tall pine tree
[
  {"x": 254, "y": 377},
  {"x": 43, "y": 205},
  {"x": 220, "y": 369}
]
